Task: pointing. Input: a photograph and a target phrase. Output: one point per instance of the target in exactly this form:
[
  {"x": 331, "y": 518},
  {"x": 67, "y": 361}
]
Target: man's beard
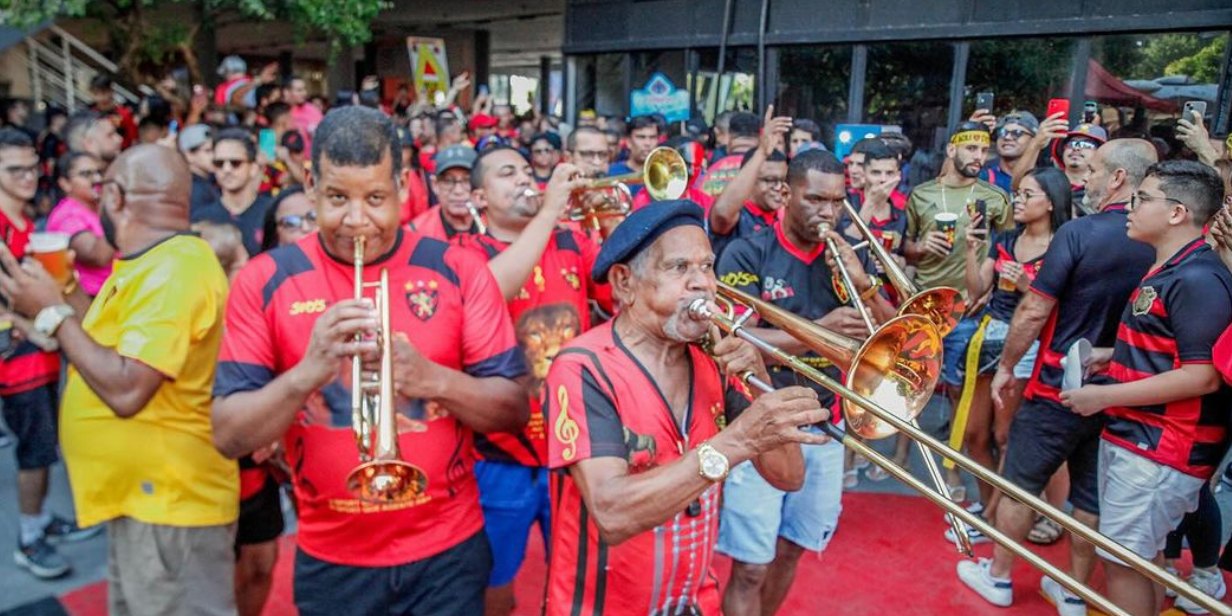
[{"x": 963, "y": 171}]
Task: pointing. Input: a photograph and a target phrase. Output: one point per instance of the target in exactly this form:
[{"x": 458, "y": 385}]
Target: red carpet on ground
[{"x": 888, "y": 557}]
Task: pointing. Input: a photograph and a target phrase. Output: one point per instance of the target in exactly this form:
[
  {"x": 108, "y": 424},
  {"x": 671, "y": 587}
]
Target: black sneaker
[
  {"x": 60, "y": 530},
  {"x": 40, "y": 559}
]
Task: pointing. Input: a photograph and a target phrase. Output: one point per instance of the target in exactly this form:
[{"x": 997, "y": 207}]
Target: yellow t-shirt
[{"x": 162, "y": 307}]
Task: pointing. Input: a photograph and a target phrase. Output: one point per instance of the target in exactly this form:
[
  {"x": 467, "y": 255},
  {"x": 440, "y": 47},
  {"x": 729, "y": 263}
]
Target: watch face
[{"x": 713, "y": 465}]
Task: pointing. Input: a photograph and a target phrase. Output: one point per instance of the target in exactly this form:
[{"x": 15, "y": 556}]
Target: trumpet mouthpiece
[{"x": 530, "y": 192}]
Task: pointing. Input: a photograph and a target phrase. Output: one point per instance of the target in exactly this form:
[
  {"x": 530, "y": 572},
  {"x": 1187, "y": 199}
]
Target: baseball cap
[
  {"x": 232, "y": 64},
  {"x": 1090, "y": 132},
  {"x": 193, "y": 137},
  {"x": 455, "y": 156},
  {"x": 1024, "y": 119},
  {"x": 483, "y": 120},
  {"x": 293, "y": 141}
]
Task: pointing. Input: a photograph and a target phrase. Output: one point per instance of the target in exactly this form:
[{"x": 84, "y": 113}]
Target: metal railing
[{"x": 61, "y": 67}]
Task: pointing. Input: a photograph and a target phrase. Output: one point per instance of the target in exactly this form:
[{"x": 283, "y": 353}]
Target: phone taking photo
[
  {"x": 1194, "y": 107},
  {"x": 1058, "y": 105},
  {"x": 984, "y": 100}
]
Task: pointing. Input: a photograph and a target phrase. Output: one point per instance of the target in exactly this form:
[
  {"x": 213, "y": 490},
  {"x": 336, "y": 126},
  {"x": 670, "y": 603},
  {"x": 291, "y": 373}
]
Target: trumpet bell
[
  {"x": 897, "y": 368},
  {"x": 386, "y": 481},
  {"x": 944, "y": 306}
]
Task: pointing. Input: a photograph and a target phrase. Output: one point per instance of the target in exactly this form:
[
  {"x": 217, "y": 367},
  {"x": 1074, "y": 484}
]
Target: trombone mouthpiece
[
  {"x": 823, "y": 228},
  {"x": 698, "y": 308}
]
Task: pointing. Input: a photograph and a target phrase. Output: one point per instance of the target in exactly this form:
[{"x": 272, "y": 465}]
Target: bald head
[
  {"x": 1132, "y": 155},
  {"x": 155, "y": 175}
]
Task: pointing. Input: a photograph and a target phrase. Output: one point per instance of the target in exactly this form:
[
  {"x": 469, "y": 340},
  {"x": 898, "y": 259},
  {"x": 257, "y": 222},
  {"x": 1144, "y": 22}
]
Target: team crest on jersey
[
  {"x": 571, "y": 276},
  {"x": 1146, "y": 298},
  {"x": 421, "y": 298},
  {"x": 776, "y": 288}
]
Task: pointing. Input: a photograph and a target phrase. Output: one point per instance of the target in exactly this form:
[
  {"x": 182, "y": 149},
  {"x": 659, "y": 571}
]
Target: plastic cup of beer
[
  {"x": 51, "y": 250},
  {"x": 1005, "y": 284},
  {"x": 947, "y": 223}
]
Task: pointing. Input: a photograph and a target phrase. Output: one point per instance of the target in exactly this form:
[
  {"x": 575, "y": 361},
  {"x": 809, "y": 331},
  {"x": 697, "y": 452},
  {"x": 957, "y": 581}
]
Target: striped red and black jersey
[
  {"x": 601, "y": 402},
  {"x": 432, "y": 224},
  {"x": 445, "y": 301},
  {"x": 1090, "y": 269},
  {"x": 28, "y": 366},
  {"x": 551, "y": 309},
  {"x": 1174, "y": 318}
]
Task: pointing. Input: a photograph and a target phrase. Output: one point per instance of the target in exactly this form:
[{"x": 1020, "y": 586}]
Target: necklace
[{"x": 945, "y": 204}]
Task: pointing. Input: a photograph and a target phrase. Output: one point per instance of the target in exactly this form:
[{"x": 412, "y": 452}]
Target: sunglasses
[
  {"x": 296, "y": 221},
  {"x": 1082, "y": 144},
  {"x": 223, "y": 163},
  {"x": 1013, "y": 134}
]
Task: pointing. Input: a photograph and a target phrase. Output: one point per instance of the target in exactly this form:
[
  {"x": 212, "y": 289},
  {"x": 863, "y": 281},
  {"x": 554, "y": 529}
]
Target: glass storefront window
[
  {"x": 813, "y": 84},
  {"x": 736, "y": 88},
  {"x": 908, "y": 85},
  {"x": 1141, "y": 81},
  {"x": 1022, "y": 74},
  {"x": 601, "y": 83}
]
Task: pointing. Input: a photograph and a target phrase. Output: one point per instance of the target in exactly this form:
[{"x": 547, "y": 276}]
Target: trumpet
[
  {"x": 878, "y": 362},
  {"x": 962, "y": 542},
  {"x": 382, "y": 475},
  {"x": 664, "y": 175}
]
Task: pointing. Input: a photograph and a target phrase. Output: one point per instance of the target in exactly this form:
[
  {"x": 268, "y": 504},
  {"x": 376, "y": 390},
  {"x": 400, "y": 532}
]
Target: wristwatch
[
  {"x": 48, "y": 320},
  {"x": 712, "y": 464}
]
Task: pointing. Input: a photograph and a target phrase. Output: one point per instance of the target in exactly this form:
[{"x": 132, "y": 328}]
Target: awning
[{"x": 1106, "y": 89}]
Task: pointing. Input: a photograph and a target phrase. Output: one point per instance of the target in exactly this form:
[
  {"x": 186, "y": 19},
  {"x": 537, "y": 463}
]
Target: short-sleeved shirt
[
  {"x": 890, "y": 231},
  {"x": 29, "y": 366},
  {"x": 995, "y": 175},
  {"x": 602, "y": 402},
  {"x": 693, "y": 193},
  {"x": 549, "y": 310},
  {"x": 622, "y": 168},
  {"x": 251, "y": 222},
  {"x": 751, "y": 220},
  {"x": 932, "y": 198},
  {"x": 719, "y": 174},
  {"x": 432, "y": 224},
  {"x": 767, "y": 265},
  {"x": 162, "y": 307},
  {"x": 72, "y": 217},
  {"x": 1003, "y": 303},
  {"x": 1090, "y": 269},
  {"x": 1173, "y": 318},
  {"x": 446, "y": 302}
]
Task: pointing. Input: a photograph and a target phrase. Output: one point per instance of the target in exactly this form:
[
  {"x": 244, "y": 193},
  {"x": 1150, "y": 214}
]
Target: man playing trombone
[
  {"x": 636, "y": 421},
  {"x": 765, "y": 529},
  {"x": 295, "y": 326}
]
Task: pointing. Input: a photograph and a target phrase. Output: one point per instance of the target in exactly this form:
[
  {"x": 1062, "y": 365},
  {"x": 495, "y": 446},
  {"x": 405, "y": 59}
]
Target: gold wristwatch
[{"x": 711, "y": 463}]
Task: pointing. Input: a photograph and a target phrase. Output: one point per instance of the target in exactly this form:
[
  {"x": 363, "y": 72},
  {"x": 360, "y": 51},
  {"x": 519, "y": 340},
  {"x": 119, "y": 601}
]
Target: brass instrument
[
  {"x": 865, "y": 370},
  {"x": 476, "y": 217},
  {"x": 962, "y": 542},
  {"x": 664, "y": 175},
  {"x": 943, "y": 305},
  {"x": 382, "y": 477}
]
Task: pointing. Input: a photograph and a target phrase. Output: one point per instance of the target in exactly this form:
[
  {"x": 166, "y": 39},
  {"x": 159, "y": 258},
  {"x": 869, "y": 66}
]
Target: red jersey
[
  {"x": 694, "y": 194},
  {"x": 416, "y": 197},
  {"x": 432, "y": 224},
  {"x": 601, "y": 402},
  {"x": 447, "y": 303},
  {"x": 719, "y": 174},
  {"x": 123, "y": 121},
  {"x": 1174, "y": 318},
  {"x": 549, "y": 311},
  {"x": 29, "y": 366}
]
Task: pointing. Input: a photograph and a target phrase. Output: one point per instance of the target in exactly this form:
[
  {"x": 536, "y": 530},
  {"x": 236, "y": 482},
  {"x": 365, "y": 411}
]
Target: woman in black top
[{"x": 1006, "y": 266}]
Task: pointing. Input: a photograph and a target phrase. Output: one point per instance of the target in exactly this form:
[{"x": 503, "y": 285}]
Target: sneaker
[
  {"x": 40, "y": 559},
  {"x": 60, "y": 530},
  {"x": 976, "y": 575},
  {"x": 1068, "y": 604},
  {"x": 977, "y": 508},
  {"x": 1171, "y": 594},
  {"x": 973, "y": 534},
  {"x": 1210, "y": 583}
]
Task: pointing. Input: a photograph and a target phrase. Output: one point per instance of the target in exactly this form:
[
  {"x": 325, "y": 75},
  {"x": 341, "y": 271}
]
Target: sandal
[
  {"x": 876, "y": 473},
  {"x": 851, "y": 477},
  {"x": 1045, "y": 532},
  {"x": 958, "y": 493}
]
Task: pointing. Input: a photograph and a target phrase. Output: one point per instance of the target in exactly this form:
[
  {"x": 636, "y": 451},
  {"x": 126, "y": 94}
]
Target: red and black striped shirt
[
  {"x": 1174, "y": 318},
  {"x": 1090, "y": 269},
  {"x": 29, "y": 366}
]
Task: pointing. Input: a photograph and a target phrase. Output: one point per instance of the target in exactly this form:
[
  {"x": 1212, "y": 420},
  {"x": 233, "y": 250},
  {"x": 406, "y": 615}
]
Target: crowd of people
[{"x": 555, "y": 368}]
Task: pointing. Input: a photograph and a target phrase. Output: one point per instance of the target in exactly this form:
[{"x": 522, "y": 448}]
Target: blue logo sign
[{"x": 660, "y": 96}]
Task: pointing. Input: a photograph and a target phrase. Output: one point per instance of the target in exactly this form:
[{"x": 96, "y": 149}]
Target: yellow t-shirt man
[{"x": 164, "y": 308}]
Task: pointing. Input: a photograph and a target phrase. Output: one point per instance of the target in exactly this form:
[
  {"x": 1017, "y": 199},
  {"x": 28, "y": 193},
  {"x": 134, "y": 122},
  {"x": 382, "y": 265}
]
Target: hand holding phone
[
  {"x": 984, "y": 100},
  {"x": 1058, "y": 105},
  {"x": 1192, "y": 109}
]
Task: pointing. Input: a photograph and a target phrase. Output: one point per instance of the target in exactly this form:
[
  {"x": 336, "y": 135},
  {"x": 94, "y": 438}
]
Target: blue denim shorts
[
  {"x": 954, "y": 346},
  {"x": 755, "y": 514}
]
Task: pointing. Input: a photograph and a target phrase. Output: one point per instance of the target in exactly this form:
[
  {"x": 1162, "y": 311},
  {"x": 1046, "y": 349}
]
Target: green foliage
[
  {"x": 24, "y": 14},
  {"x": 1148, "y": 56},
  {"x": 1202, "y": 67}
]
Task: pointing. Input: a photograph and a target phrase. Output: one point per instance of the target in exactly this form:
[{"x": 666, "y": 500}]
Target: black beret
[{"x": 641, "y": 229}]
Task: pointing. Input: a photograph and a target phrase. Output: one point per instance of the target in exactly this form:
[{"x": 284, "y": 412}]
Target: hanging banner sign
[
  {"x": 429, "y": 64},
  {"x": 660, "y": 96}
]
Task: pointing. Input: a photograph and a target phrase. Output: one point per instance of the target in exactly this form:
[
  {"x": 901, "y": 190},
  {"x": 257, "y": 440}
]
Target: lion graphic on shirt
[{"x": 541, "y": 332}]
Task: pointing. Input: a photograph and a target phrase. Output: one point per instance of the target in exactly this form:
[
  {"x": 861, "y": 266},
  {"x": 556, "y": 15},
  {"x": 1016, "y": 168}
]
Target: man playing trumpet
[
  {"x": 635, "y": 412},
  {"x": 293, "y": 328}
]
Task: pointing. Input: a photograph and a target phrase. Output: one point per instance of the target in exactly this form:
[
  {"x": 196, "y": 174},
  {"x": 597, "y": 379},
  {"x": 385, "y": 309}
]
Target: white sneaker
[
  {"x": 1210, "y": 583},
  {"x": 976, "y": 575},
  {"x": 1068, "y": 604},
  {"x": 973, "y": 534}
]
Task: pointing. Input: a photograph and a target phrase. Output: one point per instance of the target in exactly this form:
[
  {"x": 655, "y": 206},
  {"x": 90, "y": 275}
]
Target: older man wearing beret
[{"x": 636, "y": 420}]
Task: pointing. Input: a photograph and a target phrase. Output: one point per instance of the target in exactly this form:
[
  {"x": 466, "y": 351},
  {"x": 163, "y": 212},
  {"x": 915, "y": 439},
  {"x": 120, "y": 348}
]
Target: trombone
[
  {"x": 664, "y": 175},
  {"x": 382, "y": 476},
  {"x": 867, "y": 368},
  {"x": 962, "y": 541}
]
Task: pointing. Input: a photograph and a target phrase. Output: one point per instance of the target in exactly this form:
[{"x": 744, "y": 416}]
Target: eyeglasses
[
  {"x": 450, "y": 185},
  {"x": 223, "y": 163},
  {"x": 592, "y": 154},
  {"x": 1081, "y": 144},
  {"x": 1137, "y": 198},
  {"x": 1014, "y": 134},
  {"x": 296, "y": 221},
  {"x": 1026, "y": 194},
  {"x": 18, "y": 171}
]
